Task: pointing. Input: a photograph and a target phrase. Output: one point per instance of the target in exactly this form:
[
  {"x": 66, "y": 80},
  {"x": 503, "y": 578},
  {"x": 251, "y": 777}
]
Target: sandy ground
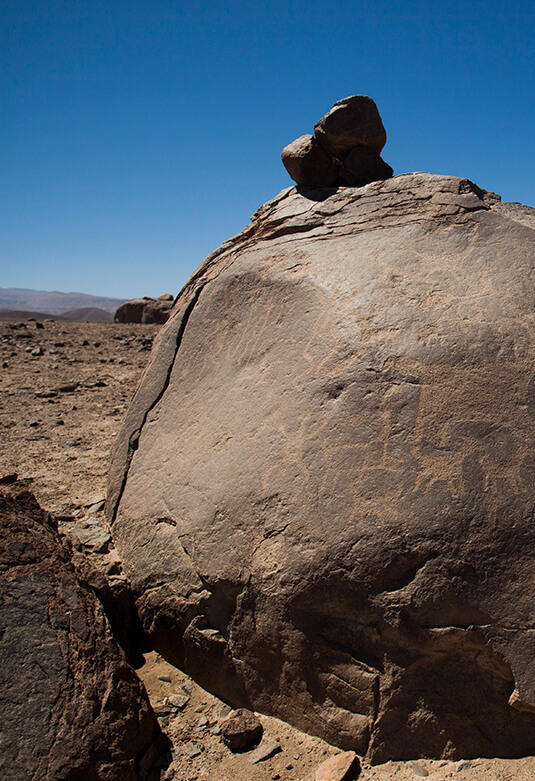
[{"x": 64, "y": 388}]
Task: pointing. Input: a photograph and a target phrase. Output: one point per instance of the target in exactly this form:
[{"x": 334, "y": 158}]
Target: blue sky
[{"x": 137, "y": 136}]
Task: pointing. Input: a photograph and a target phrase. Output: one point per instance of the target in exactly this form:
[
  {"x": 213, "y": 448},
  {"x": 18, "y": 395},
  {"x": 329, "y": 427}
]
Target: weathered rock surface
[
  {"x": 145, "y": 310},
  {"x": 72, "y": 708},
  {"x": 323, "y": 490}
]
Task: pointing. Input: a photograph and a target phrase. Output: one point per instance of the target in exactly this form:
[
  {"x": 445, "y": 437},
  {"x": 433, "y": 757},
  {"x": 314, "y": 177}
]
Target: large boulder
[
  {"x": 72, "y": 708},
  {"x": 323, "y": 489}
]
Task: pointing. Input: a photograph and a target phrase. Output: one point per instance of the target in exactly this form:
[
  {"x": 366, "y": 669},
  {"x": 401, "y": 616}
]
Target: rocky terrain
[
  {"x": 84, "y": 376},
  {"x": 319, "y": 504},
  {"x": 65, "y": 388}
]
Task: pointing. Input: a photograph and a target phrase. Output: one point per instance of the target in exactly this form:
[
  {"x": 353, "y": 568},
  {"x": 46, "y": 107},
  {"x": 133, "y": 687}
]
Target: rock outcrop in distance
[
  {"x": 145, "y": 310},
  {"x": 345, "y": 149},
  {"x": 323, "y": 490},
  {"x": 73, "y": 709}
]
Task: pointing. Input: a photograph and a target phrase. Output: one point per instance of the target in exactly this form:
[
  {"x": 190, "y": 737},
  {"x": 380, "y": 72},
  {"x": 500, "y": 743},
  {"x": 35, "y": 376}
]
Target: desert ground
[{"x": 64, "y": 389}]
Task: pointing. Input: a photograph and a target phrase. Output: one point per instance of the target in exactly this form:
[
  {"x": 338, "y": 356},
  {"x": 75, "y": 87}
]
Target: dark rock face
[
  {"x": 346, "y": 148},
  {"x": 362, "y": 166},
  {"x": 308, "y": 164},
  {"x": 145, "y": 310},
  {"x": 323, "y": 490},
  {"x": 353, "y": 121},
  {"x": 72, "y": 708}
]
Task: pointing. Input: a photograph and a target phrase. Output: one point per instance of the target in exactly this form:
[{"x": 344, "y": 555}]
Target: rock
[
  {"x": 418, "y": 770},
  {"x": 144, "y": 310},
  {"x": 9, "y": 478},
  {"x": 72, "y": 707},
  {"x": 342, "y": 767},
  {"x": 179, "y": 701},
  {"x": 166, "y": 297},
  {"x": 67, "y": 387},
  {"x": 353, "y": 121},
  {"x": 267, "y": 749},
  {"x": 72, "y": 442},
  {"x": 362, "y": 166},
  {"x": 323, "y": 498},
  {"x": 345, "y": 150},
  {"x": 95, "y": 539},
  {"x": 241, "y": 730},
  {"x": 97, "y": 506},
  {"x": 193, "y": 750},
  {"x": 308, "y": 164}
]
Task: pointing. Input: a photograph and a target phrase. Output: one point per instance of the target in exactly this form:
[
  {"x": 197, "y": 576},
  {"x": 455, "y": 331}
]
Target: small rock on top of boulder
[
  {"x": 308, "y": 164},
  {"x": 345, "y": 150},
  {"x": 353, "y": 121}
]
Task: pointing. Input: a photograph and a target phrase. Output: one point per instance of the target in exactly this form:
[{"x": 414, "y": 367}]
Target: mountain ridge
[{"x": 54, "y": 302}]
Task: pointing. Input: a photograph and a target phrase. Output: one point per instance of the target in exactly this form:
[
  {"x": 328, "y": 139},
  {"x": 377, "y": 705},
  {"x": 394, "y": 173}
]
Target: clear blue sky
[{"x": 136, "y": 136}]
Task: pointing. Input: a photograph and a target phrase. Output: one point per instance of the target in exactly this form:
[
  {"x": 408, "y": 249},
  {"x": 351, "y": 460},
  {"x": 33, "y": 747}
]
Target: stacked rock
[{"x": 345, "y": 149}]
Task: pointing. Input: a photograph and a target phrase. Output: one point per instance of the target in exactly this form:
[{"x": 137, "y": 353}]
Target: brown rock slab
[
  {"x": 241, "y": 730},
  {"x": 71, "y": 705},
  {"x": 322, "y": 493},
  {"x": 342, "y": 767},
  {"x": 308, "y": 164},
  {"x": 352, "y": 121}
]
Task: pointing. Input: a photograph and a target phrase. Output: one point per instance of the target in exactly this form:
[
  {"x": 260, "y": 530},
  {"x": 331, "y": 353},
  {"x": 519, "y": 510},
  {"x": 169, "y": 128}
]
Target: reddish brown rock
[
  {"x": 241, "y": 730},
  {"x": 342, "y": 767},
  {"x": 72, "y": 708}
]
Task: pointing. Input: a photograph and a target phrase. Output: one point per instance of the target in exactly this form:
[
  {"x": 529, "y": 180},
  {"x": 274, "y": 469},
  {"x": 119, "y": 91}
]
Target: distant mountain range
[
  {"x": 85, "y": 314},
  {"x": 43, "y": 302}
]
